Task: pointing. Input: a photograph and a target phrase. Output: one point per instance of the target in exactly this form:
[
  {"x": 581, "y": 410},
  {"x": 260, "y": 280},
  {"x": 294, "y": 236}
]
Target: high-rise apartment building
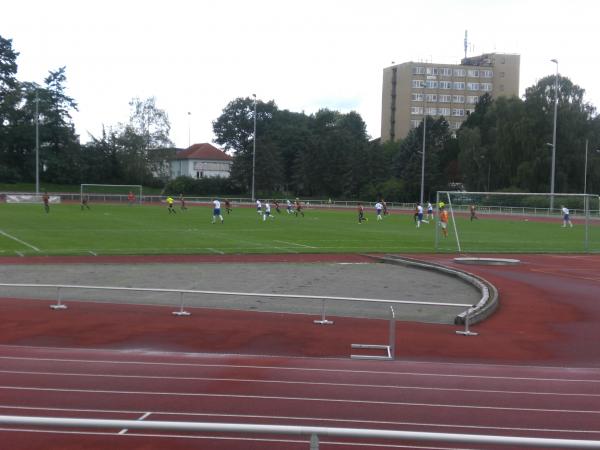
[{"x": 413, "y": 90}]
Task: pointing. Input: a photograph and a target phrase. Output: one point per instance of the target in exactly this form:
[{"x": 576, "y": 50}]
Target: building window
[
  {"x": 458, "y": 112},
  {"x": 502, "y": 74},
  {"x": 445, "y": 85},
  {"x": 444, "y": 111},
  {"x": 415, "y": 123},
  {"x": 472, "y": 99},
  {"x": 458, "y": 99},
  {"x": 473, "y": 73},
  {"x": 446, "y": 72},
  {"x": 433, "y": 71},
  {"x": 431, "y": 97},
  {"x": 418, "y": 84},
  {"x": 469, "y": 111},
  {"x": 459, "y": 85},
  {"x": 445, "y": 98},
  {"x": 417, "y": 97},
  {"x": 455, "y": 125},
  {"x": 486, "y": 74},
  {"x": 459, "y": 72},
  {"x": 431, "y": 84},
  {"x": 416, "y": 110},
  {"x": 431, "y": 111},
  {"x": 418, "y": 71},
  {"x": 472, "y": 86},
  {"x": 487, "y": 87}
]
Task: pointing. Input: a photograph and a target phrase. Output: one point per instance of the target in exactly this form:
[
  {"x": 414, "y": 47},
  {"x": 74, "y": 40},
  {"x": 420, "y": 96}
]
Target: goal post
[
  {"x": 518, "y": 222},
  {"x": 117, "y": 193}
]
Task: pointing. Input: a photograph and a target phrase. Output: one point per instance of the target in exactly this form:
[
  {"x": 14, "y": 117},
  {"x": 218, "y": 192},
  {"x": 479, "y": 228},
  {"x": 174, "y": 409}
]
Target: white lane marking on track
[
  {"x": 3, "y": 233},
  {"x": 299, "y": 383},
  {"x": 145, "y": 415},
  {"x": 300, "y": 399},
  {"x": 214, "y": 250},
  {"x": 298, "y": 245},
  {"x": 308, "y": 369},
  {"x": 311, "y": 419}
]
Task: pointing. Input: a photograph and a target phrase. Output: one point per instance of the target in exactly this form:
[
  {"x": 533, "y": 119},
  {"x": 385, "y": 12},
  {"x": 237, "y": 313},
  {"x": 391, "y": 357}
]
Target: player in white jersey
[
  {"x": 259, "y": 207},
  {"x": 289, "y": 206},
  {"x": 217, "y": 211},
  {"x": 429, "y": 211},
  {"x": 419, "y": 215},
  {"x": 378, "y": 209},
  {"x": 566, "y": 218},
  {"x": 267, "y": 212}
]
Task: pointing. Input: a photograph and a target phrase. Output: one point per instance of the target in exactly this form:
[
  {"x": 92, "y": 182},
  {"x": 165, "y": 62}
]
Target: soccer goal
[
  {"x": 113, "y": 193},
  {"x": 504, "y": 222}
]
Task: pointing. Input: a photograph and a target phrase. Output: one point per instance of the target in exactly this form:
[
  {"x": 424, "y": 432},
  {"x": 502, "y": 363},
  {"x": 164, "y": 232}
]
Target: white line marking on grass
[
  {"x": 19, "y": 253},
  {"x": 214, "y": 250},
  {"x": 293, "y": 243},
  {"x": 124, "y": 430},
  {"x": 92, "y": 253},
  {"x": 3, "y": 233}
]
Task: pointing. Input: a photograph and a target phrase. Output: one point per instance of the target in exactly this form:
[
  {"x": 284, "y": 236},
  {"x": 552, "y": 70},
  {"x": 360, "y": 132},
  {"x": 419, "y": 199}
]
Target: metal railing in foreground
[
  {"x": 313, "y": 434},
  {"x": 322, "y": 321}
]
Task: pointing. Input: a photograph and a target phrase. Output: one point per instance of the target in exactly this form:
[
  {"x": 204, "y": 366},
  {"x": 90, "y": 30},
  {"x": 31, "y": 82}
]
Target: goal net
[
  {"x": 112, "y": 193},
  {"x": 496, "y": 222}
]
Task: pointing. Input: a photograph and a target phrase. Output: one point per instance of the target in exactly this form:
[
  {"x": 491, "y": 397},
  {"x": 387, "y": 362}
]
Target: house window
[
  {"x": 459, "y": 85},
  {"x": 432, "y": 84},
  {"x": 418, "y": 84},
  {"x": 487, "y": 87},
  {"x": 472, "y": 99},
  {"x": 418, "y": 70},
  {"x": 445, "y": 98},
  {"x": 458, "y": 99},
  {"x": 431, "y": 97},
  {"x": 472, "y": 86},
  {"x": 416, "y": 110},
  {"x": 459, "y": 72},
  {"x": 473, "y": 73},
  {"x": 445, "y": 85},
  {"x": 417, "y": 97}
]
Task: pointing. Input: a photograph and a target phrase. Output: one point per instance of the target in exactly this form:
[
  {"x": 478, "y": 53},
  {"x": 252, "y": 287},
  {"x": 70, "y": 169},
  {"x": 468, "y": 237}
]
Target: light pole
[
  {"x": 554, "y": 137},
  {"x": 189, "y": 129},
  {"x": 37, "y": 144},
  {"x": 423, "y": 152},
  {"x": 254, "y": 147}
]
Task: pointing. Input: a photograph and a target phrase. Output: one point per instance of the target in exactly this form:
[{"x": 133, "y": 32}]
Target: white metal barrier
[
  {"x": 312, "y": 433},
  {"x": 323, "y": 320}
]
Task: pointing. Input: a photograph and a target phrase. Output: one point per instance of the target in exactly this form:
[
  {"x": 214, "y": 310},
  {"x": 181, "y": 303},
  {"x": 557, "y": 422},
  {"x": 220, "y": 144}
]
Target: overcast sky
[{"x": 196, "y": 56}]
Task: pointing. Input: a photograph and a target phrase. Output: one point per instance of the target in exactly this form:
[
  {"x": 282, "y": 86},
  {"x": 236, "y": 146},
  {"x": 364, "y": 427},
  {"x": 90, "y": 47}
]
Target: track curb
[{"x": 484, "y": 308}]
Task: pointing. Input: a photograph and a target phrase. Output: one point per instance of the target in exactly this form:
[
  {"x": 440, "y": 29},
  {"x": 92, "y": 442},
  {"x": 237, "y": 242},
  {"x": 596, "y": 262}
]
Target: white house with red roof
[{"x": 201, "y": 161}]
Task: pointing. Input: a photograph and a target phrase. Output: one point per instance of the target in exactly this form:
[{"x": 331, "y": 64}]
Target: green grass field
[{"x": 106, "y": 229}]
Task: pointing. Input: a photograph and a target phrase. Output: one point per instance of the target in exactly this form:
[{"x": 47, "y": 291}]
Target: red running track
[{"x": 533, "y": 370}]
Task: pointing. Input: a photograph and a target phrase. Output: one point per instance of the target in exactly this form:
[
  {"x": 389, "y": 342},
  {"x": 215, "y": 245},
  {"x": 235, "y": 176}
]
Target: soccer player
[
  {"x": 182, "y": 202},
  {"x": 216, "y": 211},
  {"x": 566, "y": 218},
  {"x": 473, "y": 215},
  {"x": 131, "y": 198},
  {"x": 170, "y": 206},
  {"x": 46, "y": 200},
  {"x": 444, "y": 221},
  {"x": 419, "y": 215},
  {"x": 298, "y": 208},
  {"x": 289, "y": 206},
  {"x": 259, "y": 207},
  {"x": 378, "y": 209},
  {"x": 385, "y": 210},
  {"x": 429, "y": 211},
  {"x": 84, "y": 202},
  {"x": 276, "y": 203},
  {"x": 267, "y": 212},
  {"x": 361, "y": 214},
  {"x": 227, "y": 206}
]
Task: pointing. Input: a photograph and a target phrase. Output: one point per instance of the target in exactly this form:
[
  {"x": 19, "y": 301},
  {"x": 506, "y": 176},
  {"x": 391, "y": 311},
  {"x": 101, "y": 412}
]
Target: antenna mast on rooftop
[{"x": 466, "y": 44}]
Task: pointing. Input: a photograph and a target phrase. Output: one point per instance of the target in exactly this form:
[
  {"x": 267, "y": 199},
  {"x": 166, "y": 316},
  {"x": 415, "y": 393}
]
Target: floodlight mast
[{"x": 552, "y": 175}]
